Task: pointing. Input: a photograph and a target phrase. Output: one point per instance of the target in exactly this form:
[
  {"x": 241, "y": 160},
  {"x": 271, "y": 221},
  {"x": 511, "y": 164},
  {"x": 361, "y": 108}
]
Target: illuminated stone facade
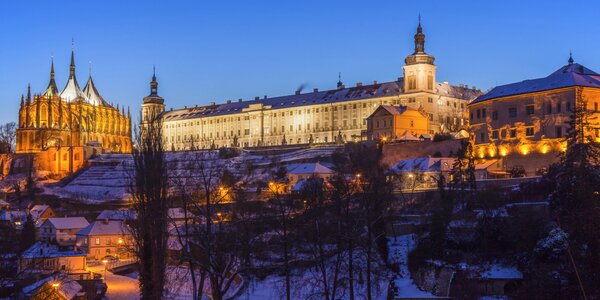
[
  {"x": 65, "y": 128},
  {"x": 317, "y": 116},
  {"x": 530, "y": 117}
]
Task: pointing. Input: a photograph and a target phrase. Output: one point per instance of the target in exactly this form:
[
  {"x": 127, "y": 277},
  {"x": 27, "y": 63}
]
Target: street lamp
[
  {"x": 104, "y": 261},
  {"x": 55, "y": 285}
]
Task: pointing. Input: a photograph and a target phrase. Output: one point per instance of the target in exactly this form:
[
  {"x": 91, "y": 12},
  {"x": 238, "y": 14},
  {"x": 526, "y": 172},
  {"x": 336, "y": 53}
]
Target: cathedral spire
[
  {"x": 52, "y": 68},
  {"x": 51, "y": 90},
  {"x": 72, "y": 66}
]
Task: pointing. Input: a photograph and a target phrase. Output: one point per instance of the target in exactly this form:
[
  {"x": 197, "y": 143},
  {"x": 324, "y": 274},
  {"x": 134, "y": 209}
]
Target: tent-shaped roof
[
  {"x": 569, "y": 75},
  {"x": 92, "y": 94}
]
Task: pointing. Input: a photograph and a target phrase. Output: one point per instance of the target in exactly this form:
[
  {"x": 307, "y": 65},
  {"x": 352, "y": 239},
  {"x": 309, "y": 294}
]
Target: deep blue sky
[{"x": 219, "y": 50}]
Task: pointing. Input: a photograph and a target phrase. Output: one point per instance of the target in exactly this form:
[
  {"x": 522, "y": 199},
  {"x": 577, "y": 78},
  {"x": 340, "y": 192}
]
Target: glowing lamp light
[
  {"x": 503, "y": 152},
  {"x": 55, "y": 285},
  {"x": 219, "y": 214},
  {"x": 120, "y": 241},
  {"x": 105, "y": 261},
  {"x": 410, "y": 176}
]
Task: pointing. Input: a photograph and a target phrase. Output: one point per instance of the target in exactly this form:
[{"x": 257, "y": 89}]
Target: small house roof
[
  {"x": 110, "y": 227},
  {"x": 310, "y": 168},
  {"x": 68, "y": 223}
]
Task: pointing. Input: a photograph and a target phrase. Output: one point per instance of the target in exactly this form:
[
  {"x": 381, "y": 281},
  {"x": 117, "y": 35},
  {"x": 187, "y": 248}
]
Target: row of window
[
  {"x": 512, "y": 133},
  {"x": 529, "y": 110}
]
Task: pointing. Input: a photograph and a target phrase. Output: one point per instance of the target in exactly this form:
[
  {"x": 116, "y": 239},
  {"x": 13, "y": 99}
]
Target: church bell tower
[
  {"x": 419, "y": 70},
  {"x": 153, "y": 104}
]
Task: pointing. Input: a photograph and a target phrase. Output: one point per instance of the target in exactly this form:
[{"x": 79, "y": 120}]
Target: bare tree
[
  {"x": 149, "y": 190},
  {"x": 8, "y": 133}
]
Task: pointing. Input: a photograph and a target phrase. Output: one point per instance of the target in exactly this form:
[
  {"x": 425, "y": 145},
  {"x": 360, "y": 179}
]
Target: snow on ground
[
  {"x": 179, "y": 284},
  {"x": 399, "y": 248},
  {"x": 273, "y": 288},
  {"x": 107, "y": 179},
  {"x": 497, "y": 271},
  {"x": 119, "y": 287}
]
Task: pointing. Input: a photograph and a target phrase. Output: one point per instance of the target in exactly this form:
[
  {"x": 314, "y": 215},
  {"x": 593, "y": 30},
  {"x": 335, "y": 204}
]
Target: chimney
[
  {"x": 228, "y": 101},
  {"x": 212, "y": 104},
  {"x": 185, "y": 106},
  {"x": 474, "y": 88},
  {"x": 240, "y": 100},
  {"x": 358, "y": 84},
  {"x": 399, "y": 78},
  {"x": 256, "y": 98},
  {"x": 265, "y": 97},
  {"x": 374, "y": 82},
  {"x": 315, "y": 90},
  {"x": 298, "y": 92}
]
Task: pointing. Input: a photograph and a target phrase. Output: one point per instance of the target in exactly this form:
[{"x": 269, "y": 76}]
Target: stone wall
[{"x": 395, "y": 152}]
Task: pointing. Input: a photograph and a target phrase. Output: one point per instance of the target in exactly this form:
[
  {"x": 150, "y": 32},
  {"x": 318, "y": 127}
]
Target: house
[
  {"x": 4, "y": 204},
  {"x": 421, "y": 173},
  {"x": 296, "y": 172},
  {"x": 61, "y": 230},
  {"x": 57, "y": 286},
  {"x": 43, "y": 256},
  {"x": 116, "y": 215},
  {"x": 105, "y": 238},
  {"x": 40, "y": 213},
  {"x": 526, "y": 121},
  {"x": 388, "y": 123},
  {"x": 12, "y": 219}
]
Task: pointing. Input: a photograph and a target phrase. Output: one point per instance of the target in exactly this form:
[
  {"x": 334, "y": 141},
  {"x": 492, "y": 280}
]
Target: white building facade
[{"x": 337, "y": 115}]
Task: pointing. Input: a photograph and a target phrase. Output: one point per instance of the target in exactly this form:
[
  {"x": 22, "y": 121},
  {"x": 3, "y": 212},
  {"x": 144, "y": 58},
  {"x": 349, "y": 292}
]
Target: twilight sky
[{"x": 208, "y": 51}]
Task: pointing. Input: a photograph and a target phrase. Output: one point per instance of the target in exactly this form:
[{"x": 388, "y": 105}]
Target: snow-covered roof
[
  {"x": 68, "y": 288},
  {"x": 424, "y": 164},
  {"x": 116, "y": 215},
  {"x": 47, "y": 250},
  {"x": 394, "y": 110},
  {"x": 364, "y": 92},
  {"x": 501, "y": 272},
  {"x": 310, "y": 168},
  {"x": 68, "y": 223},
  {"x": 39, "y": 208},
  {"x": 105, "y": 228},
  {"x": 569, "y": 75},
  {"x": 13, "y": 215}
]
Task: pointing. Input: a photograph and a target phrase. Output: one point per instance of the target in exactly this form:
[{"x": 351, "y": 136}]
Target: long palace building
[
  {"x": 318, "y": 116},
  {"x": 65, "y": 128}
]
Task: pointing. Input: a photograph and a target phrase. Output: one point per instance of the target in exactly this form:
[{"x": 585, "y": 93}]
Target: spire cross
[{"x": 90, "y": 68}]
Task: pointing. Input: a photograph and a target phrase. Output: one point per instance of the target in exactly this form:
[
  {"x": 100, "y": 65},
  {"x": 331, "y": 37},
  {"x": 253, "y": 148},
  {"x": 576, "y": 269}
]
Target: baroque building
[
  {"x": 65, "y": 128},
  {"x": 315, "y": 117},
  {"x": 526, "y": 120}
]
